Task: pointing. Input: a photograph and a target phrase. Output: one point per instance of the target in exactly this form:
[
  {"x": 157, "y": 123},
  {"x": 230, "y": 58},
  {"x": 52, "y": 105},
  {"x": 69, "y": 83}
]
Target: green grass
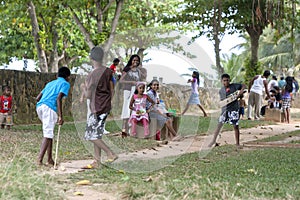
[
  {"x": 282, "y": 137},
  {"x": 223, "y": 174}
]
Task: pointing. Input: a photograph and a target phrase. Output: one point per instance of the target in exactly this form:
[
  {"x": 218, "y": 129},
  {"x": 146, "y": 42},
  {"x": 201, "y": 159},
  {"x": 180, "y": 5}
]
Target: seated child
[{"x": 139, "y": 111}]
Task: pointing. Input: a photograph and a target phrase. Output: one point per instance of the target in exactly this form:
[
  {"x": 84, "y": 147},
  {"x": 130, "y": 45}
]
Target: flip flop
[
  {"x": 89, "y": 166},
  {"x": 110, "y": 160}
]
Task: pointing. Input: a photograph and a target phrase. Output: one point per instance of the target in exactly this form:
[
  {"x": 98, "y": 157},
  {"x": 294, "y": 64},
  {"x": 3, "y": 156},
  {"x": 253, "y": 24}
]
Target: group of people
[
  {"x": 139, "y": 106},
  {"x": 278, "y": 94}
]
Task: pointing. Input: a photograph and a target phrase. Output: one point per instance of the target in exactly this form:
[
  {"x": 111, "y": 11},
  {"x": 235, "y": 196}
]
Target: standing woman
[{"x": 130, "y": 76}]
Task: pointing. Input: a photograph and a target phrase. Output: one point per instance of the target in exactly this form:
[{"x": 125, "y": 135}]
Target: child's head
[
  {"x": 64, "y": 72},
  {"x": 154, "y": 85},
  {"x": 225, "y": 78},
  {"x": 116, "y": 61},
  {"x": 196, "y": 75},
  {"x": 97, "y": 54},
  {"x": 140, "y": 88},
  {"x": 6, "y": 90}
]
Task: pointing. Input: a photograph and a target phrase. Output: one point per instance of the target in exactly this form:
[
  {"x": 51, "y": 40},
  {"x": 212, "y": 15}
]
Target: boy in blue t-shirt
[
  {"x": 49, "y": 110},
  {"x": 230, "y": 112}
]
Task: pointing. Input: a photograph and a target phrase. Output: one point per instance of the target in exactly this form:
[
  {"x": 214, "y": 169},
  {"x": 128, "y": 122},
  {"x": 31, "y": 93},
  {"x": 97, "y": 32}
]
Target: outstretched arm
[{"x": 242, "y": 90}]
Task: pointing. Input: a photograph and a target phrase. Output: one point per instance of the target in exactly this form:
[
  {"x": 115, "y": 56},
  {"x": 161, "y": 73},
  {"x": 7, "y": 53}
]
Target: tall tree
[
  {"x": 39, "y": 32},
  {"x": 253, "y": 16}
]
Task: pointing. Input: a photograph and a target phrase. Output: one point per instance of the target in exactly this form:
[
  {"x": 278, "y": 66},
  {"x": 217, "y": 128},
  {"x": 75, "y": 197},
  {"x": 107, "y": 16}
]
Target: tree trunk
[
  {"x": 216, "y": 30},
  {"x": 53, "y": 64},
  {"x": 35, "y": 33},
  {"x": 114, "y": 25},
  {"x": 254, "y": 33}
]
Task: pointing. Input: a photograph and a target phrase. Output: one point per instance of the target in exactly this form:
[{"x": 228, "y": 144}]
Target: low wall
[{"x": 27, "y": 85}]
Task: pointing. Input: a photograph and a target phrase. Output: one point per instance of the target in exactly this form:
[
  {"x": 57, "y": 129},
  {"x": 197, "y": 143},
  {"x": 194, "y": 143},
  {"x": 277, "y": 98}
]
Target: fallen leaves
[{"x": 83, "y": 182}]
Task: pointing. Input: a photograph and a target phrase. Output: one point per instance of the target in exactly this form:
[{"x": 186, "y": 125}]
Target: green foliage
[{"x": 252, "y": 69}]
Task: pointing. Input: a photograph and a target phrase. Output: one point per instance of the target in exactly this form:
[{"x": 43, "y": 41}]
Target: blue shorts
[{"x": 242, "y": 111}]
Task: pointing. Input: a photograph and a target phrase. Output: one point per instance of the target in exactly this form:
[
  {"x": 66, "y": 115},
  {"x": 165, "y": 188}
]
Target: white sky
[
  {"x": 178, "y": 63},
  {"x": 203, "y": 49}
]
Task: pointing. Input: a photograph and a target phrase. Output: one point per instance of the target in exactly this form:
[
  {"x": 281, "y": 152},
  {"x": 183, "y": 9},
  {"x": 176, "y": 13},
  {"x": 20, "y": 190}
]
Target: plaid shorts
[
  {"x": 286, "y": 103},
  {"x": 231, "y": 117}
]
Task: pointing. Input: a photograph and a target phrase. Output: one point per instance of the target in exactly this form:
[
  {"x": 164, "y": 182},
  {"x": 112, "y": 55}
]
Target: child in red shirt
[{"x": 6, "y": 107}]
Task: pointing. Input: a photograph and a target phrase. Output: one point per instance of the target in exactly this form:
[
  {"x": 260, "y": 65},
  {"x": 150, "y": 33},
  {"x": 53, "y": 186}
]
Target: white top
[
  {"x": 272, "y": 83},
  {"x": 258, "y": 85},
  {"x": 194, "y": 86}
]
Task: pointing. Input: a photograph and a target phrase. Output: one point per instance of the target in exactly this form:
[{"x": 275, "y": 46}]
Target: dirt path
[{"x": 176, "y": 148}]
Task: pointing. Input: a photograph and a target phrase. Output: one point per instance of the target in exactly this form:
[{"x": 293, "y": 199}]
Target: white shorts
[
  {"x": 126, "y": 101},
  {"x": 48, "y": 118}
]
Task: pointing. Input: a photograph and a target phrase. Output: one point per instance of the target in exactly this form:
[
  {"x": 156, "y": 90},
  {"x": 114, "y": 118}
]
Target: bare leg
[
  {"x": 49, "y": 151},
  {"x": 125, "y": 128},
  {"x": 101, "y": 145},
  {"x": 186, "y": 108},
  {"x": 43, "y": 149},
  {"x": 237, "y": 135},
  {"x": 288, "y": 115},
  {"x": 171, "y": 129},
  {"x": 97, "y": 155},
  {"x": 285, "y": 114},
  {"x": 201, "y": 107},
  {"x": 216, "y": 133}
]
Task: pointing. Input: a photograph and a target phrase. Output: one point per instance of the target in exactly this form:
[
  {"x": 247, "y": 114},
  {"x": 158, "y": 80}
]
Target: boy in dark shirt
[{"x": 230, "y": 112}]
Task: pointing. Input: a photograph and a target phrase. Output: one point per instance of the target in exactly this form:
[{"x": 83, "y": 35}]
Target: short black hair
[
  {"x": 64, "y": 72},
  {"x": 116, "y": 60},
  {"x": 225, "y": 76},
  {"x": 267, "y": 73},
  {"x": 4, "y": 87}
]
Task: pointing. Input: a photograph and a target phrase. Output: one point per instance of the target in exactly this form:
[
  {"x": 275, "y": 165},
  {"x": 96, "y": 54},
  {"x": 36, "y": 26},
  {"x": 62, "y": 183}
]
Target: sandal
[
  {"x": 110, "y": 160},
  {"x": 94, "y": 165}
]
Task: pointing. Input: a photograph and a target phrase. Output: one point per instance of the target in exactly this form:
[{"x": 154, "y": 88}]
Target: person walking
[
  {"x": 194, "y": 98},
  {"x": 100, "y": 91}
]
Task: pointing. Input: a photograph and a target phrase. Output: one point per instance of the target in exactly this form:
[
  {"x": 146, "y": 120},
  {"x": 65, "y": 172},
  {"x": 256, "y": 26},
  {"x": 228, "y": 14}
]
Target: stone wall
[{"x": 27, "y": 85}]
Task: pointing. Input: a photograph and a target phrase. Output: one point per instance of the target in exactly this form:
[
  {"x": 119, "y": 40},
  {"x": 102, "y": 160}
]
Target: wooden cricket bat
[{"x": 232, "y": 97}]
